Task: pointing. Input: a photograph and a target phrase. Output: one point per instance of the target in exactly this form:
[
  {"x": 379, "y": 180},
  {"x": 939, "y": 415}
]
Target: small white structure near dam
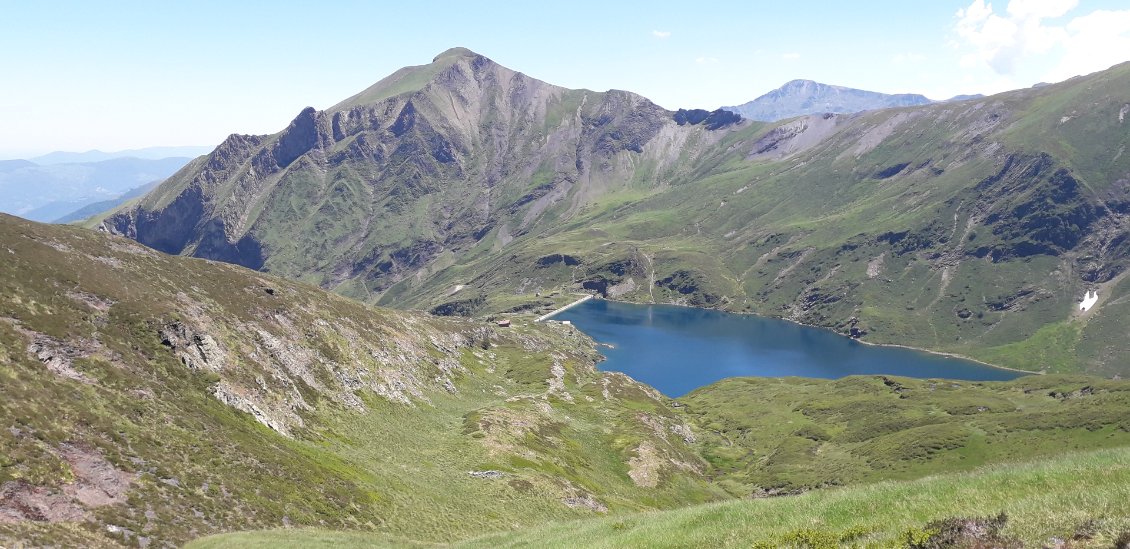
[{"x": 1089, "y": 299}]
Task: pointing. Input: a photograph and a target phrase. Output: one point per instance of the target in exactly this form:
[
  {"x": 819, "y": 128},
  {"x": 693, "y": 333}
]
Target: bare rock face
[
  {"x": 401, "y": 365},
  {"x": 306, "y": 132},
  {"x": 236, "y": 398},
  {"x": 58, "y": 356},
  {"x": 645, "y": 467},
  {"x": 96, "y": 483},
  {"x": 197, "y": 351},
  {"x": 585, "y": 501}
]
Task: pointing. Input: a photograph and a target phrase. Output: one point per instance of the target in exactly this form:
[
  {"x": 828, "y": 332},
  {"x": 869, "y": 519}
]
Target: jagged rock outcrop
[{"x": 198, "y": 351}]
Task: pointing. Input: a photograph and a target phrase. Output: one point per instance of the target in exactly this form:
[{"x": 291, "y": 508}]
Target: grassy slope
[
  {"x": 1048, "y": 498},
  {"x": 781, "y": 436},
  {"x": 787, "y": 435},
  {"x": 1042, "y": 499},
  {"x": 356, "y": 460},
  {"x": 407, "y": 79}
]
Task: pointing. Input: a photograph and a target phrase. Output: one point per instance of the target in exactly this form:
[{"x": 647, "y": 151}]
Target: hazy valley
[{"x": 53, "y": 191}]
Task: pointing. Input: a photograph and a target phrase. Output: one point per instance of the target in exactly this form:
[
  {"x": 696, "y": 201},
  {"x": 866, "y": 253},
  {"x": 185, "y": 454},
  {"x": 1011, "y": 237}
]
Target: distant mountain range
[
  {"x": 148, "y": 153},
  {"x": 801, "y": 97},
  {"x": 90, "y": 210},
  {"x": 48, "y": 192}
]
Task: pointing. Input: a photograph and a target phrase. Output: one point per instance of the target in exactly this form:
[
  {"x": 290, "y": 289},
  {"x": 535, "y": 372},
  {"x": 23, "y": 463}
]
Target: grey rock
[{"x": 488, "y": 474}]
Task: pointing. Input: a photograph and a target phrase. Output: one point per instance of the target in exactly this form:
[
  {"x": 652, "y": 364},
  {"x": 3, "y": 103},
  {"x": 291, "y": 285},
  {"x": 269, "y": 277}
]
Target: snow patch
[{"x": 1089, "y": 300}]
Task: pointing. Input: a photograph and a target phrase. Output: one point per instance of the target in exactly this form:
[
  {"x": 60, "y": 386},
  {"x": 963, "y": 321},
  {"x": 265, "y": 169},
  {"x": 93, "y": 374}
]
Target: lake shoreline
[
  {"x": 941, "y": 353},
  {"x": 825, "y": 328}
]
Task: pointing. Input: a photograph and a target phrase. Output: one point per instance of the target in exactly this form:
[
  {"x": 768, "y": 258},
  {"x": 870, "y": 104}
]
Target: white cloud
[
  {"x": 995, "y": 39},
  {"x": 1026, "y": 31},
  {"x": 790, "y": 56},
  {"x": 706, "y": 60},
  {"x": 908, "y": 58},
  {"x": 1040, "y": 9},
  {"x": 1094, "y": 42},
  {"x": 661, "y": 34}
]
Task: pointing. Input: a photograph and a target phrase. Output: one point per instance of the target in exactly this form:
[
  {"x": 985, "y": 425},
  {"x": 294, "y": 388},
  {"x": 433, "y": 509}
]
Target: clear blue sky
[{"x": 117, "y": 75}]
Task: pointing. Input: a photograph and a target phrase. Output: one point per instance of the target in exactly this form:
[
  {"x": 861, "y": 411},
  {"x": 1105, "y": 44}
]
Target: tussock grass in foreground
[
  {"x": 283, "y": 539},
  {"x": 1042, "y": 499},
  {"x": 1080, "y": 495}
]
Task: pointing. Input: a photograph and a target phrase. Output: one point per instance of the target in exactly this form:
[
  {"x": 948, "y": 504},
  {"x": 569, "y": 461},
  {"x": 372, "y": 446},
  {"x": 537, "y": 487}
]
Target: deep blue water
[{"x": 679, "y": 349}]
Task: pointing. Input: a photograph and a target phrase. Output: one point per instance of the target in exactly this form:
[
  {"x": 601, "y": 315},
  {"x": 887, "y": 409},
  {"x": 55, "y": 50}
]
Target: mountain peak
[
  {"x": 799, "y": 82},
  {"x": 408, "y": 79},
  {"x": 455, "y": 52},
  {"x": 800, "y": 97}
]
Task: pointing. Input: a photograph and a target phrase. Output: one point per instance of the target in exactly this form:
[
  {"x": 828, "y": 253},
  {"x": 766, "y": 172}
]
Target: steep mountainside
[
  {"x": 462, "y": 187},
  {"x": 147, "y": 399},
  {"x": 801, "y": 97},
  {"x": 430, "y": 165}
]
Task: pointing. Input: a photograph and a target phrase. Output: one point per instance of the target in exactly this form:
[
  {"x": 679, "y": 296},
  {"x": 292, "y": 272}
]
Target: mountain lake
[{"x": 679, "y": 349}]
